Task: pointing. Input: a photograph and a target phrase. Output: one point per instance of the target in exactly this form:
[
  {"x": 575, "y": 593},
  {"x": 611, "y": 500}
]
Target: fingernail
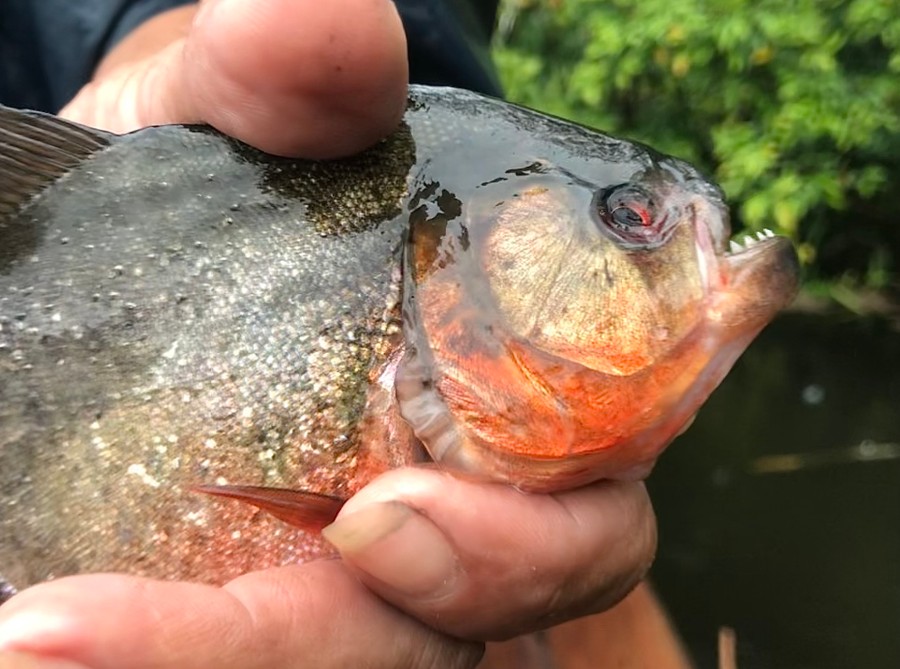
[
  {"x": 12, "y": 660},
  {"x": 31, "y": 628},
  {"x": 399, "y": 547}
]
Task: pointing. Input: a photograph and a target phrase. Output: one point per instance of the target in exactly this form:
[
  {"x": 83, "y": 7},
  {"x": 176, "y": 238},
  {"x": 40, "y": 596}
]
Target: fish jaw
[
  {"x": 555, "y": 425},
  {"x": 752, "y": 283}
]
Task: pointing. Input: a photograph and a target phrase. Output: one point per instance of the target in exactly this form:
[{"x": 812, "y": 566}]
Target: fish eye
[{"x": 629, "y": 214}]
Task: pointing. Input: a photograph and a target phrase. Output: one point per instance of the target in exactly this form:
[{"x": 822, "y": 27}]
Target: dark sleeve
[
  {"x": 50, "y": 48},
  {"x": 449, "y": 42}
]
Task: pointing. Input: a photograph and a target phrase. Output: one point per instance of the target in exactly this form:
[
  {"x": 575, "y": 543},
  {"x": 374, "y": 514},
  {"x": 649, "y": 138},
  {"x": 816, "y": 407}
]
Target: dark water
[{"x": 801, "y": 556}]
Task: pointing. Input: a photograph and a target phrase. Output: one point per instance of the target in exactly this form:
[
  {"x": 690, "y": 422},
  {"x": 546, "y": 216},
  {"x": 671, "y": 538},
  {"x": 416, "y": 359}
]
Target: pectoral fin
[{"x": 306, "y": 510}]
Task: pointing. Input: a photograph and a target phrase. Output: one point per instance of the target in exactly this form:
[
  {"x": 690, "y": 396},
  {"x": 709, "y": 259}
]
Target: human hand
[
  {"x": 474, "y": 561},
  {"x": 317, "y": 80},
  {"x": 471, "y": 561}
]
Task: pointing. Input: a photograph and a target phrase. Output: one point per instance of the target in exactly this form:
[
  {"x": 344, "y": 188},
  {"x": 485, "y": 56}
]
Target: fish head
[{"x": 567, "y": 321}]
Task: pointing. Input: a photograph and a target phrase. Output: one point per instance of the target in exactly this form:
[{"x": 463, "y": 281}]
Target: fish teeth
[{"x": 750, "y": 240}]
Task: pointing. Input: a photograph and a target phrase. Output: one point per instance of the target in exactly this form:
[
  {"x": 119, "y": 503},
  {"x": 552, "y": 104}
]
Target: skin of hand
[{"x": 432, "y": 565}]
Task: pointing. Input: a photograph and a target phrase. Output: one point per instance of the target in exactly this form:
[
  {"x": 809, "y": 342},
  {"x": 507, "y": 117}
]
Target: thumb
[
  {"x": 440, "y": 548},
  {"x": 289, "y": 78}
]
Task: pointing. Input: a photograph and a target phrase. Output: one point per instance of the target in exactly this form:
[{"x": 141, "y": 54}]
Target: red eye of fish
[{"x": 629, "y": 214}]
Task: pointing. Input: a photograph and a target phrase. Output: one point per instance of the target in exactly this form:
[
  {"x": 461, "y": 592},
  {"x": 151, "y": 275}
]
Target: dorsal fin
[{"x": 35, "y": 150}]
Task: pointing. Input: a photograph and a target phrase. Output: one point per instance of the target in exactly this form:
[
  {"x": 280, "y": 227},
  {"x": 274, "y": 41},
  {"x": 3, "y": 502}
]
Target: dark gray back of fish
[{"x": 178, "y": 308}]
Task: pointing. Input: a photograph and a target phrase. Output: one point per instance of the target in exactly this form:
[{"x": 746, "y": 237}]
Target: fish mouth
[
  {"x": 749, "y": 277},
  {"x": 735, "y": 247}
]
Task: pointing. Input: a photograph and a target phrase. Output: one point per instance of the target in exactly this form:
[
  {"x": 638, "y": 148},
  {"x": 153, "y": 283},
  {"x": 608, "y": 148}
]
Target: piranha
[{"x": 513, "y": 296}]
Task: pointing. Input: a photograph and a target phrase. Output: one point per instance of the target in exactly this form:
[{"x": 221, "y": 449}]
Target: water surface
[{"x": 800, "y": 554}]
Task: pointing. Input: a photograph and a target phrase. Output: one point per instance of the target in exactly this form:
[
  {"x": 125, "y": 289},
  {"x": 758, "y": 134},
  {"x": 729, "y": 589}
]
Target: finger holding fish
[
  {"x": 288, "y": 617},
  {"x": 439, "y": 547},
  {"x": 291, "y": 78},
  {"x": 449, "y": 547}
]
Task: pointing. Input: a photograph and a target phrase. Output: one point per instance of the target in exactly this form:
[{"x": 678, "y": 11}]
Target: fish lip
[
  {"x": 707, "y": 254},
  {"x": 720, "y": 259},
  {"x": 751, "y": 284},
  {"x": 767, "y": 250}
]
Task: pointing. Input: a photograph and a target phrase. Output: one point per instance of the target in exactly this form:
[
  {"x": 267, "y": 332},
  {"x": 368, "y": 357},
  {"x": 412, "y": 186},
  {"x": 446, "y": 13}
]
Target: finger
[
  {"x": 28, "y": 661},
  {"x": 292, "y": 78},
  {"x": 310, "y": 615},
  {"x": 483, "y": 561}
]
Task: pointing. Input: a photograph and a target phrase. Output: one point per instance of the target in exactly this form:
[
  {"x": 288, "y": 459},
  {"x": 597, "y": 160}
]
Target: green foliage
[{"x": 792, "y": 105}]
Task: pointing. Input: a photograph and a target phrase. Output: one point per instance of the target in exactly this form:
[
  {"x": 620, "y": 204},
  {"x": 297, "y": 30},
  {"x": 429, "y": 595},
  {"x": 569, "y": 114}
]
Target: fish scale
[{"x": 179, "y": 252}]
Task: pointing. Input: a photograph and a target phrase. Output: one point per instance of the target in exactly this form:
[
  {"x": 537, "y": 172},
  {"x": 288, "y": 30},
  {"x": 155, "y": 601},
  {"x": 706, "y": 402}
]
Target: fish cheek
[
  {"x": 570, "y": 291},
  {"x": 674, "y": 282}
]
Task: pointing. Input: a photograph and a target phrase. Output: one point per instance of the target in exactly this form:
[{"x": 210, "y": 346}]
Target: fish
[{"x": 186, "y": 321}]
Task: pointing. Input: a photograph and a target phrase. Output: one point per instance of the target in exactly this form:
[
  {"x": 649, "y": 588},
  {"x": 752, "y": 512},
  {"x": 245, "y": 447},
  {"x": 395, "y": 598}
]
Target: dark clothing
[
  {"x": 50, "y": 48},
  {"x": 448, "y": 42}
]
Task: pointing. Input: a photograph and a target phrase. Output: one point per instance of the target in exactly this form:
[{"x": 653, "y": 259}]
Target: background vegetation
[{"x": 792, "y": 106}]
